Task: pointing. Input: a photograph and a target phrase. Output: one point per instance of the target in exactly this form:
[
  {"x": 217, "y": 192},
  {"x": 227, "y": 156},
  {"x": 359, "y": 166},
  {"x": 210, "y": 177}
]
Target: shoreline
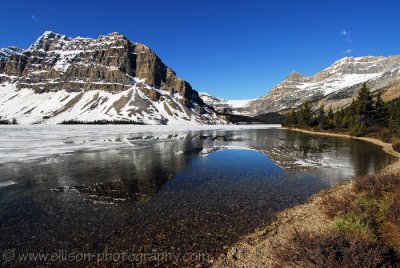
[
  {"x": 261, "y": 247},
  {"x": 386, "y": 147}
]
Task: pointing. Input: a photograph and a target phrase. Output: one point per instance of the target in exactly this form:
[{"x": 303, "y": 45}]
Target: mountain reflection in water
[{"x": 194, "y": 192}]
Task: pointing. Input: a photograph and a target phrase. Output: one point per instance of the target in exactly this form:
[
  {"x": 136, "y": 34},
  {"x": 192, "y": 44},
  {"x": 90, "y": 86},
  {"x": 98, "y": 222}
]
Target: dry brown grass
[
  {"x": 367, "y": 232},
  {"x": 375, "y": 186},
  {"x": 333, "y": 205},
  {"x": 376, "y": 207},
  {"x": 336, "y": 250}
]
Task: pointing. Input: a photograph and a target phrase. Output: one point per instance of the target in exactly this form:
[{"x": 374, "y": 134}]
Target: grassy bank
[{"x": 352, "y": 225}]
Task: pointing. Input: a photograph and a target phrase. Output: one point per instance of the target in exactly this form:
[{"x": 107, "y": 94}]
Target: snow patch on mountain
[
  {"x": 9, "y": 51},
  {"x": 222, "y": 105},
  {"x": 28, "y": 107},
  {"x": 335, "y": 83}
]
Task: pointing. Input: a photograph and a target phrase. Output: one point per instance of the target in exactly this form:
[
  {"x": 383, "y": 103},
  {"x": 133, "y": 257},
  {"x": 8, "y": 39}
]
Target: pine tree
[
  {"x": 291, "y": 119},
  {"x": 307, "y": 115},
  {"x": 338, "y": 119},
  {"x": 394, "y": 115},
  {"x": 342, "y": 118},
  {"x": 365, "y": 105},
  {"x": 380, "y": 112},
  {"x": 301, "y": 116},
  {"x": 353, "y": 115},
  {"x": 330, "y": 119},
  {"x": 321, "y": 117}
]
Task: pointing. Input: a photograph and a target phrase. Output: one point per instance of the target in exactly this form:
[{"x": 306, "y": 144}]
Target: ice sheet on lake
[{"x": 31, "y": 142}]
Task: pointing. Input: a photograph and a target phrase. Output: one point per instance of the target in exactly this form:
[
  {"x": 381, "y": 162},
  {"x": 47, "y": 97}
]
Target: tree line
[
  {"x": 267, "y": 118},
  {"x": 101, "y": 122},
  {"x": 365, "y": 114}
]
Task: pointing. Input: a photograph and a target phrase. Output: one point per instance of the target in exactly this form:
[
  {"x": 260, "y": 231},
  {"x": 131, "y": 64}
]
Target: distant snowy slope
[
  {"x": 335, "y": 86},
  {"x": 239, "y": 103},
  {"x": 233, "y": 106}
]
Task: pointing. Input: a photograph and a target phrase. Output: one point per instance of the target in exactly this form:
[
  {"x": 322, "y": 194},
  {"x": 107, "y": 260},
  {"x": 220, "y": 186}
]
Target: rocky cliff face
[
  {"x": 115, "y": 78},
  {"x": 335, "y": 86}
]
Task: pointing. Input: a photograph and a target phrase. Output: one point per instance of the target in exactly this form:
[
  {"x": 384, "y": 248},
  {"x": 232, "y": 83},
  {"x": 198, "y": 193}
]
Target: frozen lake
[{"x": 161, "y": 189}]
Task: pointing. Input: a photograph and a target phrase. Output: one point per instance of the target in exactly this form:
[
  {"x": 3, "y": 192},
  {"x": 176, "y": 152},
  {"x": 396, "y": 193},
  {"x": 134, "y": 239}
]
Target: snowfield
[
  {"x": 54, "y": 107},
  {"x": 239, "y": 103},
  {"x": 32, "y": 142}
]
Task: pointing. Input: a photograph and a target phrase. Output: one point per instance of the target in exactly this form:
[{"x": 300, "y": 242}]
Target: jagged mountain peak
[
  {"x": 116, "y": 34},
  {"x": 294, "y": 76},
  {"x": 47, "y": 39},
  {"x": 105, "y": 68}
]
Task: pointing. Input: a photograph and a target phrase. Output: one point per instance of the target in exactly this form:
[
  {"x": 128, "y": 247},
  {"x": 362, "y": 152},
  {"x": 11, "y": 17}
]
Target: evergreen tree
[
  {"x": 307, "y": 115},
  {"x": 380, "y": 112},
  {"x": 363, "y": 113},
  {"x": 321, "y": 117},
  {"x": 301, "y": 117},
  {"x": 353, "y": 114},
  {"x": 365, "y": 105},
  {"x": 338, "y": 119},
  {"x": 394, "y": 115},
  {"x": 330, "y": 119},
  {"x": 291, "y": 119},
  {"x": 342, "y": 118}
]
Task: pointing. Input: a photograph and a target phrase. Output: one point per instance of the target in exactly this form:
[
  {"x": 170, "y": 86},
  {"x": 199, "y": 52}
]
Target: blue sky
[{"x": 233, "y": 49}]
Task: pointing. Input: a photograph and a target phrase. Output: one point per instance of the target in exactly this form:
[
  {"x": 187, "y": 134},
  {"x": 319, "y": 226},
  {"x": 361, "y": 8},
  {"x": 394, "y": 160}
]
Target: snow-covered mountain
[
  {"x": 109, "y": 78},
  {"x": 240, "y": 107},
  {"x": 335, "y": 86}
]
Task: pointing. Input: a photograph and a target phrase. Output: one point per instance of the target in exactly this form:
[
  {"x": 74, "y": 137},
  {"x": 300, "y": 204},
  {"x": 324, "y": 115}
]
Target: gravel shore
[{"x": 261, "y": 248}]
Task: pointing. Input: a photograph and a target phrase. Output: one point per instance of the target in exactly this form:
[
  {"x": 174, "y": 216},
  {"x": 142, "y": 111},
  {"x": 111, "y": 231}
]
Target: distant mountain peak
[
  {"x": 115, "y": 34},
  {"x": 334, "y": 86},
  {"x": 294, "y": 76}
]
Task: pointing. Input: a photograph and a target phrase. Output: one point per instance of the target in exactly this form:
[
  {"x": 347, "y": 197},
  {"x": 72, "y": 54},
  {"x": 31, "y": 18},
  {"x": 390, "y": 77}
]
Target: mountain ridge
[
  {"x": 59, "y": 78},
  {"x": 335, "y": 86},
  {"x": 149, "y": 91}
]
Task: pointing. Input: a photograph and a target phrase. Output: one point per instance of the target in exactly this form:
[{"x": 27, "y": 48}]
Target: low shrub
[
  {"x": 391, "y": 207},
  {"x": 336, "y": 250},
  {"x": 374, "y": 186},
  {"x": 335, "y": 205},
  {"x": 362, "y": 130},
  {"x": 396, "y": 147},
  {"x": 354, "y": 225},
  {"x": 369, "y": 216},
  {"x": 390, "y": 219},
  {"x": 367, "y": 207}
]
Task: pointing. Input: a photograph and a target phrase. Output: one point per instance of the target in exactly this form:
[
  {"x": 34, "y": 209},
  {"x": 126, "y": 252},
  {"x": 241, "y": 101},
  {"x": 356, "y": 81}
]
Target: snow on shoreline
[{"x": 32, "y": 142}]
